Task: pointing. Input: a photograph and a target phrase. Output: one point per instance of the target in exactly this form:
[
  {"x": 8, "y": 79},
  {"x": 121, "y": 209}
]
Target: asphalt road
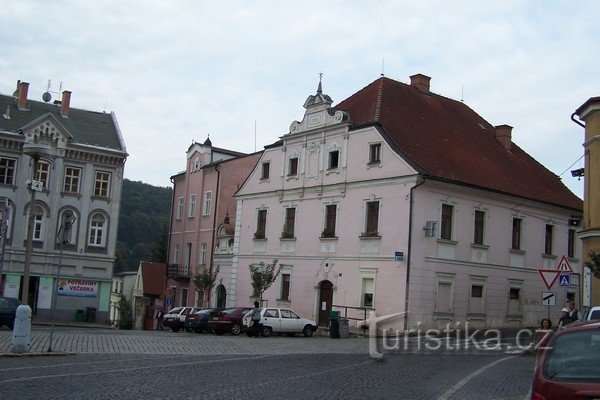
[{"x": 152, "y": 365}]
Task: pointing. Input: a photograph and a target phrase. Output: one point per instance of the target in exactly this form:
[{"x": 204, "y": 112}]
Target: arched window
[
  {"x": 97, "y": 230},
  {"x": 38, "y": 223}
]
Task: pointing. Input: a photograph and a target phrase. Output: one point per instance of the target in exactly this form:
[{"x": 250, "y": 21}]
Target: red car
[
  {"x": 569, "y": 367},
  {"x": 227, "y": 320}
]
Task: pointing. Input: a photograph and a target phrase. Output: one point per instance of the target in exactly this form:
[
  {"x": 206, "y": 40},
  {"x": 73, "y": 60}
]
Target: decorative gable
[{"x": 47, "y": 130}]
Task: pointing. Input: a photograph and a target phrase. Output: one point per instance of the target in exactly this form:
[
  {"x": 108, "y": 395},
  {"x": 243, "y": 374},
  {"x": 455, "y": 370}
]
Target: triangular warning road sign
[
  {"x": 549, "y": 276},
  {"x": 564, "y": 265}
]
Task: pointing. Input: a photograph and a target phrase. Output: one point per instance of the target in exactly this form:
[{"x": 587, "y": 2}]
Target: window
[
  {"x": 102, "y": 184},
  {"x": 548, "y": 239},
  {"x": 180, "y": 208},
  {"x": 516, "y": 233},
  {"x": 446, "y": 230},
  {"x": 444, "y": 294},
  {"x": 285, "y": 286},
  {"x": 184, "y": 296},
  {"x": 207, "y": 201},
  {"x": 38, "y": 223},
  {"x": 478, "y": 227},
  {"x": 375, "y": 153},
  {"x": 372, "y": 222},
  {"x": 192, "y": 210},
  {"x": 293, "y": 167},
  {"x": 330, "y": 219},
  {"x": 43, "y": 170},
  {"x": 7, "y": 171},
  {"x": 290, "y": 219},
  {"x": 368, "y": 290},
  {"x": 477, "y": 291},
  {"x": 334, "y": 159},
  {"x": 514, "y": 298},
  {"x": 176, "y": 254},
  {"x": 571, "y": 243},
  {"x": 266, "y": 166},
  {"x": 203, "y": 253},
  {"x": 514, "y": 293},
  {"x": 261, "y": 224},
  {"x": 72, "y": 177},
  {"x": 65, "y": 223},
  {"x": 97, "y": 228},
  {"x": 477, "y": 297}
]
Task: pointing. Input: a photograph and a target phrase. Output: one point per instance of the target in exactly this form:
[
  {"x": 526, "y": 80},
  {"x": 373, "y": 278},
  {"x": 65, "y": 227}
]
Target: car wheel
[
  {"x": 266, "y": 331},
  {"x": 308, "y": 331},
  {"x": 174, "y": 329},
  {"x": 236, "y": 329}
]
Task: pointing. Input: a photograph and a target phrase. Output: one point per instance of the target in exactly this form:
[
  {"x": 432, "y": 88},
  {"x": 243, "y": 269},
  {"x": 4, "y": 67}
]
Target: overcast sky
[{"x": 175, "y": 71}]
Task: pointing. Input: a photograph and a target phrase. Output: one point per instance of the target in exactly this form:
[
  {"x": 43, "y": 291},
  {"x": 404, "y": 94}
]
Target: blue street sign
[
  {"x": 169, "y": 301},
  {"x": 564, "y": 280},
  {"x": 399, "y": 256}
]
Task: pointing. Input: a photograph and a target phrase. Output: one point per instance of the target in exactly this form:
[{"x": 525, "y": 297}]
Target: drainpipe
[
  {"x": 214, "y": 227},
  {"x": 420, "y": 181}
]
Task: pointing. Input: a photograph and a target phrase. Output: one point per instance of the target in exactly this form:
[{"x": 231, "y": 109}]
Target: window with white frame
[
  {"x": 515, "y": 297},
  {"x": 286, "y": 278},
  {"x": 6, "y": 215},
  {"x": 207, "y": 203},
  {"x": 102, "y": 184},
  {"x": 72, "y": 180},
  {"x": 8, "y": 168},
  {"x": 192, "y": 205},
  {"x": 176, "y": 254},
  {"x": 372, "y": 218},
  {"x": 43, "y": 173},
  {"x": 97, "y": 230},
  {"x": 477, "y": 295},
  {"x": 479, "y": 227},
  {"x": 367, "y": 287},
  {"x": 38, "y": 223},
  {"x": 180, "y": 208},
  {"x": 444, "y": 295},
  {"x": 202, "y": 253},
  {"x": 374, "y": 153},
  {"x": 447, "y": 220}
]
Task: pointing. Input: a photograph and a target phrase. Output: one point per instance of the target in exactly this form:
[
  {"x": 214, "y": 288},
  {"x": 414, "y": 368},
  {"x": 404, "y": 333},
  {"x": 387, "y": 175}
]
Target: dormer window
[
  {"x": 293, "y": 166},
  {"x": 266, "y": 166},
  {"x": 196, "y": 164},
  {"x": 375, "y": 153}
]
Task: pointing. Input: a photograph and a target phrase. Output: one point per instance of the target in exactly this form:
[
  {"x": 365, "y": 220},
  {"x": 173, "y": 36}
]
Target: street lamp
[{"x": 35, "y": 151}]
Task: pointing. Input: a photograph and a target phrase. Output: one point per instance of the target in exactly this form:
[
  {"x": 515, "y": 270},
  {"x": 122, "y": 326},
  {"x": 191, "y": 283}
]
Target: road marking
[{"x": 448, "y": 393}]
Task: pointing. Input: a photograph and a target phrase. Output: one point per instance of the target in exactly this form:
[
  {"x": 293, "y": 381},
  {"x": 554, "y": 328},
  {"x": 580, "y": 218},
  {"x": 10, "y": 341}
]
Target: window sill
[
  {"x": 475, "y": 317},
  {"x": 70, "y": 194},
  {"x": 515, "y": 317},
  {"x": 444, "y": 316},
  {"x": 292, "y": 239},
  {"x": 259, "y": 239},
  {"x": 549, "y": 256},
  {"x": 328, "y": 238},
  {"x": 480, "y": 246},
  {"x": 516, "y": 251},
  {"x": 265, "y": 180},
  {"x": 376, "y": 164},
  {"x": 107, "y": 199},
  {"x": 447, "y": 241},
  {"x": 365, "y": 237}
]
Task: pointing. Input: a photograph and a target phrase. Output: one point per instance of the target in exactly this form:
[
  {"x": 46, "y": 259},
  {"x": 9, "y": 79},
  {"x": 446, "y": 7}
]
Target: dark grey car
[{"x": 8, "y": 309}]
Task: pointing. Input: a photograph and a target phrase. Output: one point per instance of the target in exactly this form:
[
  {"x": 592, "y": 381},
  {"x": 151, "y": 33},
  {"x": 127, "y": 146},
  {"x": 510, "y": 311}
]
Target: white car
[
  {"x": 591, "y": 313},
  {"x": 175, "y": 319},
  {"x": 282, "y": 320}
]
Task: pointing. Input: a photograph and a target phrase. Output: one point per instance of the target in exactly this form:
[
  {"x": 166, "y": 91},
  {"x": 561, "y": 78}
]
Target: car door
[
  {"x": 272, "y": 318},
  {"x": 290, "y": 321}
]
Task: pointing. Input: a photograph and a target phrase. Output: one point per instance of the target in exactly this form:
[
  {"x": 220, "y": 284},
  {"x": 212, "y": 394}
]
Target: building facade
[
  {"x": 399, "y": 200},
  {"x": 78, "y": 178},
  {"x": 201, "y": 233}
]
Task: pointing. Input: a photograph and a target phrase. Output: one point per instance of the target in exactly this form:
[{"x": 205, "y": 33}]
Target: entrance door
[
  {"x": 221, "y": 296},
  {"x": 325, "y": 301}
]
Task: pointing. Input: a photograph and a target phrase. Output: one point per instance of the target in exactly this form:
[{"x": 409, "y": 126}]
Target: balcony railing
[{"x": 178, "y": 271}]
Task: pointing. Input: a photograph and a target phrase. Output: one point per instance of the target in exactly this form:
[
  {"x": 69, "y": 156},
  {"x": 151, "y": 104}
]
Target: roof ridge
[{"x": 379, "y": 98}]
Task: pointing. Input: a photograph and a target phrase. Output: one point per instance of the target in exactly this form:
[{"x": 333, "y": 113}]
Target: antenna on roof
[
  {"x": 47, "y": 96},
  {"x": 462, "y": 93},
  {"x": 383, "y": 67},
  {"x": 255, "y": 136}
]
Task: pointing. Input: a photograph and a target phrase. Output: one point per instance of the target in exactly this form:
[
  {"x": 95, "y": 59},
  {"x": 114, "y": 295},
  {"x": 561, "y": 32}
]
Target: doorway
[
  {"x": 221, "y": 296},
  {"x": 325, "y": 302}
]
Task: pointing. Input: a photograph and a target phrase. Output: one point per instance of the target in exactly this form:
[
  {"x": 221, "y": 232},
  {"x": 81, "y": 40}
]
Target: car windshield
[
  {"x": 574, "y": 357},
  {"x": 176, "y": 310}
]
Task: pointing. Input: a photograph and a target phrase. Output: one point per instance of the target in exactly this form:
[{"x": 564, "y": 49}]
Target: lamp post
[
  {"x": 35, "y": 151},
  {"x": 64, "y": 235}
]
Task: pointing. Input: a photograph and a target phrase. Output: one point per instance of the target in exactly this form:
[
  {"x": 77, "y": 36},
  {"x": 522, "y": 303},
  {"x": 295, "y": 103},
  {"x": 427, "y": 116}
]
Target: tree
[
  {"x": 262, "y": 277},
  {"x": 159, "y": 251},
  {"x": 125, "y": 320},
  {"x": 205, "y": 280},
  {"x": 593, "y": 263}
]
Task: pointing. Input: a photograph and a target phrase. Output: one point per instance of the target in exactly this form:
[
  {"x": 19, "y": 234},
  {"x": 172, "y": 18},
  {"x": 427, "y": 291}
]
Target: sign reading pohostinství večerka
[{"x": 77, "y": 288}]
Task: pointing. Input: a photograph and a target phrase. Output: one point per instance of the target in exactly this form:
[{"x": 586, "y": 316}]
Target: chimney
[
  {"x": 22, "y": 95},
  {"x": 64, "y": 104},
  {"x": 504, "y": 135},
  {"x": 420, "y": 82}
]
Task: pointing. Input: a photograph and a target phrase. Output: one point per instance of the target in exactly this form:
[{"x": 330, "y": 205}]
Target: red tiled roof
[
  {"x": 153, "y": 275},
  {"x": 445, "y": 139}
]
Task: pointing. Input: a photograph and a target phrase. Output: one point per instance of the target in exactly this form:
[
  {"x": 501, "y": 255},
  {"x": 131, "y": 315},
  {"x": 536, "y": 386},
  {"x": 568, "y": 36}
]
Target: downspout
[
  {"x": 420, "y": 181},
  {"x": 214, "y": 227}
]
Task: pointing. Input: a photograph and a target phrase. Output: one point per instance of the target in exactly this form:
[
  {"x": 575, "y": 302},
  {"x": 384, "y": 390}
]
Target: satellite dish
[{"x": 47, "y": 97}]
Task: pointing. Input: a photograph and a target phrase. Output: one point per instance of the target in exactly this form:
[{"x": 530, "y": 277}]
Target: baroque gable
[{"x": 47, "y": 130}]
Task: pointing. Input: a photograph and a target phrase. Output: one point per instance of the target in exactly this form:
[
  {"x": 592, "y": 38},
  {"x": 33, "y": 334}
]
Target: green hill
[{"x": 143, "y": 225}]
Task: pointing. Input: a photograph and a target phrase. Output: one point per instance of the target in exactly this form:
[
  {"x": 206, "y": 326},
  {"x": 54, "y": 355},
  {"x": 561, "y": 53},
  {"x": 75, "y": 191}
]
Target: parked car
[
  {"x": 283, "y": 320},
  {"x": 568, "y": 367},
  {"x": 175, "y": 319},
  {"x": 198, "y": 320},
  {"x": 591, "y": 313},
  {"x": 8, "y": 310},
  {"x": 227, "y": 320}
]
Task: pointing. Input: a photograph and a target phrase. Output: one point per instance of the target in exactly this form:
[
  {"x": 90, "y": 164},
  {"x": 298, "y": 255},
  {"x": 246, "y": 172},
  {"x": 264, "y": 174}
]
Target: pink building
[
  {"x": 201, "y": 232},
  {"x": 402, "y": 200}
]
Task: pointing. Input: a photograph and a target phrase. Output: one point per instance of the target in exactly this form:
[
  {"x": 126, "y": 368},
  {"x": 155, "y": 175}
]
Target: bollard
[{"x": 22, "y": 330}]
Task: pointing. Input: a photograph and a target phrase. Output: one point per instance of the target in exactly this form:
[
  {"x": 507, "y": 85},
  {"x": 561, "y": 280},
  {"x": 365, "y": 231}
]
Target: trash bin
[
  {"x": 344, "y": 328},
  {"x": 334, "y": 314},
  {"x": 79, "y": 316},
  {"x": 90, "y": 314},
  {"x": 334, "y": 328}
]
